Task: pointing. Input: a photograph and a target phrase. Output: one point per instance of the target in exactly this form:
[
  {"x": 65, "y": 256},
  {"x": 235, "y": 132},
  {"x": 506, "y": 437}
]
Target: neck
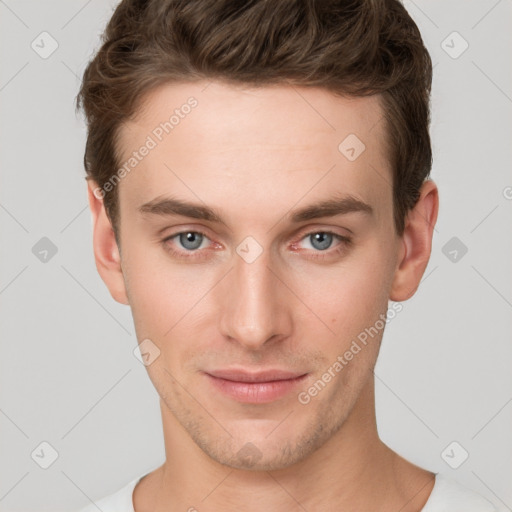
[{"x": 353, "y": 469}]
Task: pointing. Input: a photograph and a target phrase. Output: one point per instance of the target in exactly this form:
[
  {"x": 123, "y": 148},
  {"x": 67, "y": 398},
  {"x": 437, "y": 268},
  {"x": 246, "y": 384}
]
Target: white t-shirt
[{"x": 446, "y": 496}]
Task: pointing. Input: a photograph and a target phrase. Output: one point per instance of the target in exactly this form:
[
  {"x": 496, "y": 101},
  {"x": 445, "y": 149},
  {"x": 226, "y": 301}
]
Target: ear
[
  {"x": 416, "y": 243},
  {"x": 106, "y": 251}
]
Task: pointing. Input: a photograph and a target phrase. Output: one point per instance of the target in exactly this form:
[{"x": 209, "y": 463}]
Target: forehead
[
  {"x": 213, "y": 139},
  {"x": 255, "y": 114}
]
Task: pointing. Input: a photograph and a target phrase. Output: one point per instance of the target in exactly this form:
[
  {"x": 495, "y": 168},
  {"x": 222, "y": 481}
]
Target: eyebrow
[{"x": 169, "y": 206}]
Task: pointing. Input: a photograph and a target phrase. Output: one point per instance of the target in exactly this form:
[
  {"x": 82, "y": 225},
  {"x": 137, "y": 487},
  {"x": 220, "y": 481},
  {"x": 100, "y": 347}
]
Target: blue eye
[
  {"x": 195, "y": 246},
  {"x": 321, "y": 240},
  {"x": 191, "y": 246},
  {"x": 322, "y": 246},
  {"x": 190, "y": 240}
]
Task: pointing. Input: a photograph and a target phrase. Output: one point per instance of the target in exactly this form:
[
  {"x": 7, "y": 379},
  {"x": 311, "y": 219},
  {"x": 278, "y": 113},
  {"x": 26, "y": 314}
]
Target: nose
[{"x": 253, "y": 302}]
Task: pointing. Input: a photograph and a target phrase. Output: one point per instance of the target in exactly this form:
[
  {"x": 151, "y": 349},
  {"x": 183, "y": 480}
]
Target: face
[{"x": 255, "y": 249}]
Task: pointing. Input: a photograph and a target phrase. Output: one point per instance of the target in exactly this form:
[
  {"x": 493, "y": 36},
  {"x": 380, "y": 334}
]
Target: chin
[{"x": 263, "y": 453}]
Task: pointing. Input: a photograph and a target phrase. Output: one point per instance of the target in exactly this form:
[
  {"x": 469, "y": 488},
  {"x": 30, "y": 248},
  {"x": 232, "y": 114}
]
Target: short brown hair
[{"x": 349, "y": 47}]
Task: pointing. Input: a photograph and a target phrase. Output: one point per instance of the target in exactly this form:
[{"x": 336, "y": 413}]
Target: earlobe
[
  {"x": 106, "y": 251},
  {"x": 416, "y": 243}
]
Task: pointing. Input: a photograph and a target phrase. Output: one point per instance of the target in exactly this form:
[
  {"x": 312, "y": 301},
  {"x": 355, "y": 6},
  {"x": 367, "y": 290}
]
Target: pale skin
[{"x": 256, "y": 156}]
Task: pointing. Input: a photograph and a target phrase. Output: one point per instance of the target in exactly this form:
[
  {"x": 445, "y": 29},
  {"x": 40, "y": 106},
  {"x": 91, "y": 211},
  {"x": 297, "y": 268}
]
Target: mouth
[{"x": 255, "y": 387}]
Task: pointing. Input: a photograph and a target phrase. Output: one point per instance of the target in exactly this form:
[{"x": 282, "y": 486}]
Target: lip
[{"x": 255, "y": 387}]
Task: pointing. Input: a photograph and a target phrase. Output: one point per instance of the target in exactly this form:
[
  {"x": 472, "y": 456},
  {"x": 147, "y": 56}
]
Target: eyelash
[
  {"x": 328, "y": 253},
  {"x": 198, "y": 254}
]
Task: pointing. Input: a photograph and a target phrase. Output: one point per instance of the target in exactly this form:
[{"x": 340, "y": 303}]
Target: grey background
[{"x": 68, "y": 375}]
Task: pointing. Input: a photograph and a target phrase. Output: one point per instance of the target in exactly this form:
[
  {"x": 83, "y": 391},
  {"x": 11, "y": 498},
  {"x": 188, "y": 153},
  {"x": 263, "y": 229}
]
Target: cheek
[
  {"x": 155, "y": 293},
  {"x": 353, "y": 302},
  {"x": 350, "y": 296},
  {"x": 346, "y": 297}
]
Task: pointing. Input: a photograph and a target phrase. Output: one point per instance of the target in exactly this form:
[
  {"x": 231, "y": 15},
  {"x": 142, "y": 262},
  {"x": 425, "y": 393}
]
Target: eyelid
[
  {"x": 316, "y": 254},
  {"x": 343, "y": 239},
  {"x": 184, "y": 231},
  {"x": 302, "y": 234},
  {"x": 311, "y": 230}
]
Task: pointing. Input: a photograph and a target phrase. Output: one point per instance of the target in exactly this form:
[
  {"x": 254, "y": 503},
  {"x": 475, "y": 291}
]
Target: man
[{"x": 258, "y": 182}]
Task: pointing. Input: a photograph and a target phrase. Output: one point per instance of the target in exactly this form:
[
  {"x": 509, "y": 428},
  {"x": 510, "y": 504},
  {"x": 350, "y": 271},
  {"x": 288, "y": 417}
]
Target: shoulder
[
  {"x": 450, "y": 496},
  {"x": 120, "y": 501}
]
